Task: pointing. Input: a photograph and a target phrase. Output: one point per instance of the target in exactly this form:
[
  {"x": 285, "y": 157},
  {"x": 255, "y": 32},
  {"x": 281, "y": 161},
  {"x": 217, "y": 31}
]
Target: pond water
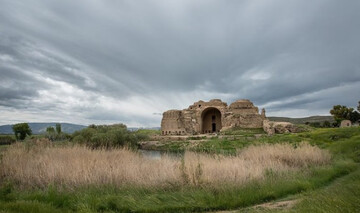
[{"x": 157, "y": 155}]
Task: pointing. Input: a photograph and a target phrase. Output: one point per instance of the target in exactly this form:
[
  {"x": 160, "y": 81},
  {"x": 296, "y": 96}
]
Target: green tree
[
  {"x": 50, "y": 129},
  {"x": 21, "y": 130},
  {"x": 58, "y": 129},
  {"x": 355, "y": 116},
  {"x": 50, "y": 133},
  {"x": 326, "y": 124},
  {"x": 358, "y": 108},
  {"x": 107, "y": 136},
  {"x": 341, "y": 113}
]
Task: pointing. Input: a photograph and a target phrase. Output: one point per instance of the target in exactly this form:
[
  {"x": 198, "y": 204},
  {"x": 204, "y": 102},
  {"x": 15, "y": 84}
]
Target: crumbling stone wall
[
  {"x": 272, "y": 127},
  {"x": 345, "y": 123},
  {"x": 173, "y": 123},
  {"x": 212, "y": 116}
]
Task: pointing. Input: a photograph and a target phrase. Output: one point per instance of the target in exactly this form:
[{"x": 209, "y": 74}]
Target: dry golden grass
[{"x": 74, "y": 166}]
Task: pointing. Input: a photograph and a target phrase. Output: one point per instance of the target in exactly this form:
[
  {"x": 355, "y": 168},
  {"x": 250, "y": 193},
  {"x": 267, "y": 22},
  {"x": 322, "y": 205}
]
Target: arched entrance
[{"x": 211, "y": 120}]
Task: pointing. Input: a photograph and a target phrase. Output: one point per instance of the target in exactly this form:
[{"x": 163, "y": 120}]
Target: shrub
[
  {"x": 56, "y": 134},
  {"x": 6, "y": 140},
  {"x": 106, "y": 136},
  {"x": 326, "y": 124},
  {"x": 315, "y": 124},
  {"x": 21, "y": 130}
]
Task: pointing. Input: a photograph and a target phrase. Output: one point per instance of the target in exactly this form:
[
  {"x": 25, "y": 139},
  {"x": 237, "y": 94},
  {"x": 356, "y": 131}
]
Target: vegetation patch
[
  {"x": 244, "y": 131},
  {"x": 44, "y": 176},
  {"x": 6, "y": 140},
  {"x": 171, "y": 199},
  {"x": 73, "y": 166},
  {"x": 341, "y": 196},
  {"x": 109, "y": 136}
]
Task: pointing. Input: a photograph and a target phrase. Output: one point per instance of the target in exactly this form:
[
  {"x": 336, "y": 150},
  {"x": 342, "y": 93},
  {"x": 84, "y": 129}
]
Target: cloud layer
[{"x": 113, "y": 61}]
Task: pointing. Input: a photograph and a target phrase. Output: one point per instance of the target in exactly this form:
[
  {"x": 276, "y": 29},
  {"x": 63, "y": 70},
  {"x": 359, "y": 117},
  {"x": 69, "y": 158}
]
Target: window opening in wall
[{"x": 199, "y": 105}]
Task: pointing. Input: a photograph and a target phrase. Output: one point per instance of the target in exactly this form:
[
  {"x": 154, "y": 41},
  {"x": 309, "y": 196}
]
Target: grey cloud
[
  {"x": 29, "y": 57},
  {"x": 265, "y": 51}
]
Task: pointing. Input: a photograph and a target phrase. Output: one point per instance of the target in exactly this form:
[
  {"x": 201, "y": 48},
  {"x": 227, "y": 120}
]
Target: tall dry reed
[{"x": 74, "y": 166}]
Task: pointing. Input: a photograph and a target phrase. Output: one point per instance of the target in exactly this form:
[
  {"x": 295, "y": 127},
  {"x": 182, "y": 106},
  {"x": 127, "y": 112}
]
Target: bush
[
  {"x": 6, "y": 140},
  {"x": 106, "y": 136},
  {"x": 315, "y": 124},
  {"x": 55, "y": 134},
  {"x": 21, "y": 130},
  {"x": 326, "y": 124}
]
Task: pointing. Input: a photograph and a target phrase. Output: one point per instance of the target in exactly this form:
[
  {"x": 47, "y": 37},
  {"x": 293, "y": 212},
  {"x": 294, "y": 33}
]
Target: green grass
[
  {"x": 341, "y": 196},
  {"x": 213, "y": 145},
  {"x": 244, "y": 131},
  {"x": 333, "y": 188},
  {"x": 221, "y": 145},
  {"x": 11, "y": 135},
  {"x": 337, "y": 140},
  {"x": 172, "y": 146}
]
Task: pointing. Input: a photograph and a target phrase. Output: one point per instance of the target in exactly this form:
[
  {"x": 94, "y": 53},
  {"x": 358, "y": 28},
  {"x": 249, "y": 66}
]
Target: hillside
[
  {"x": 310, "y": 119},
  {"x": 38, "y": 128}
]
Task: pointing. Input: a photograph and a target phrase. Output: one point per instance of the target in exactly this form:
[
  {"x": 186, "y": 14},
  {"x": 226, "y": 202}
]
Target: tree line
[
  {"x": 341, "y": 113},
  {"x": 94, "y": 136}
]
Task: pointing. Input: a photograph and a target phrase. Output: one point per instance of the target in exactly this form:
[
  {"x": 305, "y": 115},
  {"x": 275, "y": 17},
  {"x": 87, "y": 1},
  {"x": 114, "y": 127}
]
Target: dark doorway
[{"x": 211, "y": 120}]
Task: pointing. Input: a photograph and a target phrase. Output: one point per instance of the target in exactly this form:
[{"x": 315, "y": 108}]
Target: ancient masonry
[{"x": 211, "y": 117}]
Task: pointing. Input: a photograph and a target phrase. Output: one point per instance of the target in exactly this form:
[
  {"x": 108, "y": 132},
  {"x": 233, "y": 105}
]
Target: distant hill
[
  {"x": 39, "y": 128},
  {"x": 310, "y": 119}
]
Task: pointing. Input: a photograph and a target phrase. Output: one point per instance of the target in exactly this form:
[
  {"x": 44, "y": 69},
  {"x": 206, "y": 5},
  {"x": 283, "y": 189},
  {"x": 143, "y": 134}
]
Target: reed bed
[{"x": 75, "y": 166}]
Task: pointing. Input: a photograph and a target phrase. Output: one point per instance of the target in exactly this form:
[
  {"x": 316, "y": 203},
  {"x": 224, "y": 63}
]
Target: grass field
[
  {"x": 312, "y": 119},
  {"x": 197, "y": 182}
]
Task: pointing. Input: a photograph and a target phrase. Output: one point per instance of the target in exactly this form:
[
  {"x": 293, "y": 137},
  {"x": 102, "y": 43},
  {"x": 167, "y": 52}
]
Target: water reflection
[{"x": 157, "y": 155}]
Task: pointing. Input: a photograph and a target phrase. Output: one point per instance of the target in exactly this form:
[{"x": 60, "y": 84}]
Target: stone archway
[{"x": 211, "y": 120}]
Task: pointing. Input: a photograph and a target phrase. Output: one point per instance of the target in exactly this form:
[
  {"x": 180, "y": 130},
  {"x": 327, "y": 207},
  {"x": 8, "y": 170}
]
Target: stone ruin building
[
  {"x": 345, "y": 123},
  {"x": 211, "y": 117}
]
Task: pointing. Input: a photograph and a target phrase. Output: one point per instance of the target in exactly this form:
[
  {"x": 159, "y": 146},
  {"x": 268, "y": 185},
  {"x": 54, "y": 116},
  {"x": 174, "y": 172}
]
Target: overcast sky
[{"x": 114, "y": 61}]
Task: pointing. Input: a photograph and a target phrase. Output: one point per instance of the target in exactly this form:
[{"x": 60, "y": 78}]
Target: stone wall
[
  {"x": 272, "y": 127},
  {"x": 172, "y": 123},
  {"x": 345, "y": 123},
  {"x": 212, "y": 116}
]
